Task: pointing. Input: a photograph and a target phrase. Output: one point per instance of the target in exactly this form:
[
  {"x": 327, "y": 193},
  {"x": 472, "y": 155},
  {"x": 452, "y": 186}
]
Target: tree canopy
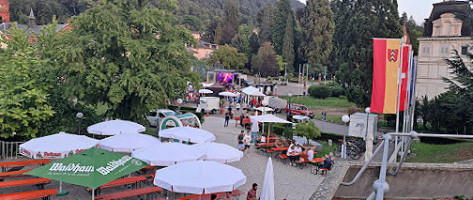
[
  {"x": 265, "y": 62},
  {"x": 228, "y": 57}
]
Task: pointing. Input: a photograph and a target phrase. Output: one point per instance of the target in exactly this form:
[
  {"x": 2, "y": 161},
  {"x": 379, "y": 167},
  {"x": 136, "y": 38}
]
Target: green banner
[{"x": 90, "y": 168}]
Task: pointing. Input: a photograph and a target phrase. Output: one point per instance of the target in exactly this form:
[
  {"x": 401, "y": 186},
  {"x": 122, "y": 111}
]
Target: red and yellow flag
[{"x": 386, "y": 58}]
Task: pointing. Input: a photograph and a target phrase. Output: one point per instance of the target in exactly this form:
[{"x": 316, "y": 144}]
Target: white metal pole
[{"x": 399, "y": 84}]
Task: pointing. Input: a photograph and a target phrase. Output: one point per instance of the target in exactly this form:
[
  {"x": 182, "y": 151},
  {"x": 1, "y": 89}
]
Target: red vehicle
[{"x": 298, "y": 109}]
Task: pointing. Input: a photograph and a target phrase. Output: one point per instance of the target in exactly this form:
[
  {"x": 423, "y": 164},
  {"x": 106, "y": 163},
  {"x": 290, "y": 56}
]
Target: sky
[{"x": 419, "y": 9}]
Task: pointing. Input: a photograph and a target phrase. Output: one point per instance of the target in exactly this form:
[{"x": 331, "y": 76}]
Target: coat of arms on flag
[{"x": 392, "y": 55}]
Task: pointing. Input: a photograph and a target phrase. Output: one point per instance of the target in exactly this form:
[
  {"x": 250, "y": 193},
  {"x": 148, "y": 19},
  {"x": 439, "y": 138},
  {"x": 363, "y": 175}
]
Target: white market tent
[
  {"x": 56, "y": 146},
  {"x": 188, "y": 134},
  {"x": 268, "y": 119},
  {"x": 257, "y": 94},
  {"x": 264, "y": 110},
  {"x": 227, "y": 94},
  {"x": 127, "y": 142},
  {"x": 249, "y": 90},
  {"x": 205, "y": 91},
  {"x": 167, "y": 154},
  {"x": 114, "y": 127},
  {"x": 218, "y": 152},
  {"x": 200, "y": 177}
]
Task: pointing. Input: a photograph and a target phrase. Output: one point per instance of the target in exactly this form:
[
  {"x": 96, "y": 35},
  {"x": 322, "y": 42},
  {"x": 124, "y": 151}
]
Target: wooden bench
[
  {"x": 35, "y": 181},
  {"x": 14, "y": 174},
  {"x": 133, "y": 180},
  {"x": 6, "y": 165},
  {"x": 38, "y": 194},
  {"x": 130, "y": 193},
  {"x": 147, "y": 169}
]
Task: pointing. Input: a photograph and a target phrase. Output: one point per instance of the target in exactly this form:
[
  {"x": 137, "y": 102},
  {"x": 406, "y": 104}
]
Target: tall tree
[
  {"x": 228, "y": 57},
  {"x": 265, "y": 20},
  {"x": 265, "y": 62},
  {"x": 228, "y": 25},
  {"x": 127, "y": 56},
  {"x": 318, "y": 27},
  {"x": 282, "y": 13},
  {"x": 288, "y": 43},
  {"x": 357, "y": 23}
]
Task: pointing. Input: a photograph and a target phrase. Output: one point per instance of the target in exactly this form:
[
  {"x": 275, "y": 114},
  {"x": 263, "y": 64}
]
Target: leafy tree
[
  {"x": 320, "y": 91},
  {"x": 26, "y": 82},
  {"x": 228, "y": 57},
  {"x": 44, "y": 10},
  {"x": 265, "y": 19},
  {"x": 254, "y": 45},
  {"x": 211, "y": 31},
  {"x": 265, "y": 62},
  {"x": 288, "y": 44},
  {"x": 241, "y": 40},
  {"x": 318, "y": 27},
  {"x": 413, "y": 31},
  {"x": 282, "y": 14},
  {"x": 357, "y": 22},
  {"x": 281, "y": 63},
  {"x": 308, "y": 130},
  {"x": 126, "y": 56},
  {"x": 228, "y": 25}
]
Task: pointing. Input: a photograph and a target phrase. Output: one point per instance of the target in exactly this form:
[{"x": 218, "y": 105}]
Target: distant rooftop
[{"x": 458, "y": 8}]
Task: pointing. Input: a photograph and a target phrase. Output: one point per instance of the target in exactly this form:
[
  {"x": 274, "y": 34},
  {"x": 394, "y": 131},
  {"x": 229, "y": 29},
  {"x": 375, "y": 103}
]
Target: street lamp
[
  {"x": 179, "y": 102},
  {"x": 367, "y": 111},
  {"x": 79, "y": 117},
  {"x": 289, "y": 118},
  {"x": 345, "y": 119}
]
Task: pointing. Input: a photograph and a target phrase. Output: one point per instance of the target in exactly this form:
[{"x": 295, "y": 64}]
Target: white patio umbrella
[
  {"x": 227, "y": 94},
  {"x": 218, "y": 152},
  {"x": 267, "y": 192},
  {"x": 167, "y": 154},
  {"x": 200, "y": 177},
  {"x": 56, "y": 146},
  {"x": 114, "y": 127},
  {"x": 205, "y": 91},
  {"x": 188, "y": 134},
  {"x": 127, "y": 142},
  {"x": 256, "y": 94}
]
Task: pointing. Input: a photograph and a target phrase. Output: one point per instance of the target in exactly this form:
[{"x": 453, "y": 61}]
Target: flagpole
[
  {"x": 399, "y": 83},
  {"x": 414, "y": 73},
  {"x": 407, "y": 106}
]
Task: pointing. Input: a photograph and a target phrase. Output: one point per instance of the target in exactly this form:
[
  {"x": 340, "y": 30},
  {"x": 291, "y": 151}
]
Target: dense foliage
[
  {"x": 308, "y": 130},
  {"x": 44, "y": 10},
  {"x": 320, "y": 91},
  {"x": 265, "y": 63},
  {"x": 357, "y": 22},
  {"x": 228, "y": 57}
]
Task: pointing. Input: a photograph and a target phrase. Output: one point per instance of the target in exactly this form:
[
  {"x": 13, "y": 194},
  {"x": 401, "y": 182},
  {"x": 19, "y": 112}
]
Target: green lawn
[
  {"x": 326, "y": 149},
  {"x": 330, "y": 102},
  {"x": 330, "y": 118},
  {"x": 449, "y": 153}
]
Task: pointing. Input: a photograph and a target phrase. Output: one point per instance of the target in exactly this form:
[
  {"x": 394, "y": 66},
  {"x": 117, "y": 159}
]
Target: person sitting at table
[
  {"x": 278, "y": 144},
  {"x": 327, "y": 163},
  {"x": 292, "y": 155},
  {"x": 299, "y": 149},
  {"x": 310, "y": 153},
  {"x": 285, "y": 142}
]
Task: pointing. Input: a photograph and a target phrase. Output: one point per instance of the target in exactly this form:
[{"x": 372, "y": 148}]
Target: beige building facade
[{"x": 443, "y": 33}]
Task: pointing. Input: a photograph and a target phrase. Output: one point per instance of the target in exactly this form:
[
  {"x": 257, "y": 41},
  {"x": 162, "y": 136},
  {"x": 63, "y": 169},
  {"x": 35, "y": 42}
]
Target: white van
[
  {"x": 155, "y": 116},
  {"x": 209, "y": 104}
]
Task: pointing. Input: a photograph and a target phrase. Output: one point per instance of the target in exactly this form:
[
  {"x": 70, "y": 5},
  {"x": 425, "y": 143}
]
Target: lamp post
[
  {"x": 79, "y": 117},
  {"x": 289, "y": 118},
  {"x": 345, "y": 119},
  {"x": 368, "y": 136},
  {"x": 179, "y": 102}
]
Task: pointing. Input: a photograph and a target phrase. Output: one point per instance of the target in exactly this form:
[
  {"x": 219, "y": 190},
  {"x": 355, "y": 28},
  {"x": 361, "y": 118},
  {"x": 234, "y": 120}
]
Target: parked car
[
  {"x": 298, "y": 109},
  {"x": 156, "y": 115}
]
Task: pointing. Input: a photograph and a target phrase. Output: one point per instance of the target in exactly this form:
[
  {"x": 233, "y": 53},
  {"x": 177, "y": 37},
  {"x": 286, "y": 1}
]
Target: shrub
[
  {"x": 308, "y": 130},
  {"x": 320, "y": 92},
  {"x": 352, "y": 110},
  {"x": 337, "y": 90}
]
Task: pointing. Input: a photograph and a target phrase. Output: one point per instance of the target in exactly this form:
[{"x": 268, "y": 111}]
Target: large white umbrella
[
  {"x": 56, "y": 146},
  {"x": 218, "y": 152},
  {"x": 114, "y": 127},
  {"x": 127, "y": 142},
  {"x": 188, "y": 134},
  {"x": 267, "y": 192},
  {"x": 249, "y": 90},
  {"x": 205, "y": 91},
  {"x": 200, "y": 177},
  {"x": 227, "y": 94},
  {"x": 256, "y": 94},
  {"x": 167, "y": 154}
]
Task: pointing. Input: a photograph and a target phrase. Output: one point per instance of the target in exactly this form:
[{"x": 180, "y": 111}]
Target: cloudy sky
[{"x": 419, "y": 9}]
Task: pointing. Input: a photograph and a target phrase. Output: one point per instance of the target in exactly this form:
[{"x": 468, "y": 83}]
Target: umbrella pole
[
  {"x": 93, "y": 194},
  {"x": 61, "y": 192}
]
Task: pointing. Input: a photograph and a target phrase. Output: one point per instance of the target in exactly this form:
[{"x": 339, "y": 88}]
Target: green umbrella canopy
[{"x": 90, "y": 168}]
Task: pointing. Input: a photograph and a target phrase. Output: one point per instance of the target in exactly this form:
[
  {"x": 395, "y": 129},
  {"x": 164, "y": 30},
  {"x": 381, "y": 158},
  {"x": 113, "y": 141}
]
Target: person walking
[
  {"x": 227, "y": 118},
  {"x": 241, "y": 145},
  {"x": 247, "y": 141},
  {"x": 252, "y": 193}
]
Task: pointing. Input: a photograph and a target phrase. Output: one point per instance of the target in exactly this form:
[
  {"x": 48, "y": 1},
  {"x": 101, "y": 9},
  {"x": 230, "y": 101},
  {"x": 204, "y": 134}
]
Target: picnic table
[
  {"x": 30, "y": 195},
  {"x": 134, "y": 180},
  {"x": 130, "y": 193},
  {"x": 7, "y": 165},
  {"x": 14, "y": 174},
  {"x": 220, "y": 195},
  {"x": 17, "y": 183}
]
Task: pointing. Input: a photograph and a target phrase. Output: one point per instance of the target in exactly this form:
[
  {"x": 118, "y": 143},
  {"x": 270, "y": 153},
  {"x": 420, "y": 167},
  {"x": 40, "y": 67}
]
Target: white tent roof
[
  {"x": 114, "y": 127},
  {"x": 199, "y": 177},
  {"x": 264, "y": 109},
  {"x": 256, "y": 94},
  {"x": 227, "y": 94},
  {"x": 269, "y": 118},
  {"x": 127, "y": 142},
  {"x": 249, "y": 90},
  {"x": 205, "y": 91},
  {"x": 167, "y": 154},
  {"x": 194, "y": 135}
]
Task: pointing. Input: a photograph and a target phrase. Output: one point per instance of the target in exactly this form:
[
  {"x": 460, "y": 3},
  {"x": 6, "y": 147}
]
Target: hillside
[{"x": 199, "y": 13}]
